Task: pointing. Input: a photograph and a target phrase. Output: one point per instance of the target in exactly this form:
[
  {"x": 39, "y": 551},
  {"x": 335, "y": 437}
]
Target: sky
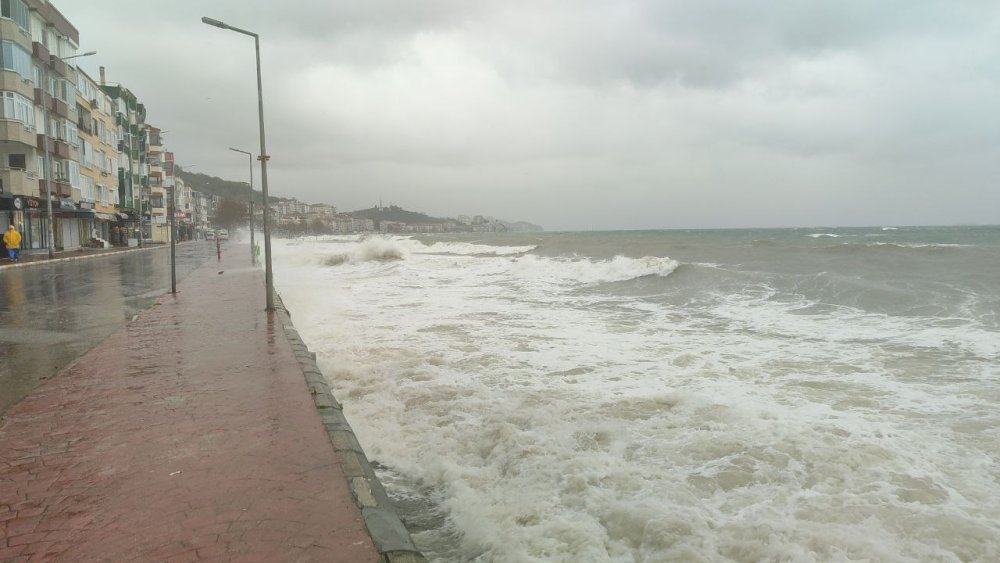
[{"x": 581, "y": 114}]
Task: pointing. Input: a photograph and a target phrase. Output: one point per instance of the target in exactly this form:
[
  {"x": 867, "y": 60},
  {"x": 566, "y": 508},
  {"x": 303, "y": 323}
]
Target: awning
[{"x": 106, "y": 216}]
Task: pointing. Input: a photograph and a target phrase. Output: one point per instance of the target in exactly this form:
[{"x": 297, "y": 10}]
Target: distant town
[{"x": 293, "y": 217}]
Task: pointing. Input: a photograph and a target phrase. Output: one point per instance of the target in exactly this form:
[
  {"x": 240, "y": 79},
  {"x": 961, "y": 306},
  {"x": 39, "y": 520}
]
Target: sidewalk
[
  {"x": 189, "y": 434},
  {"x": 35, "y": 255}
]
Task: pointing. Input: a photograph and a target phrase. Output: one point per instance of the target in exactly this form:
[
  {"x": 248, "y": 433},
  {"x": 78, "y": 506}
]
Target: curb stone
[{"x": 391, "y": 538}]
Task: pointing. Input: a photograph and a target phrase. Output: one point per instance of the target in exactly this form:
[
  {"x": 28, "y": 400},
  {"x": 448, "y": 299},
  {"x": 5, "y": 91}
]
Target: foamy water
[{"x": 709, "y": 396}]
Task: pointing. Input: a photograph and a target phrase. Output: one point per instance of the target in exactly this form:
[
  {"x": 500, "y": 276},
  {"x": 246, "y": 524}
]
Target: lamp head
[{"x": 215, "y": 23}]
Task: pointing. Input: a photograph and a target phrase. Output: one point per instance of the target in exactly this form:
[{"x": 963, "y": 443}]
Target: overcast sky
[{"x": 582, "y": 114}]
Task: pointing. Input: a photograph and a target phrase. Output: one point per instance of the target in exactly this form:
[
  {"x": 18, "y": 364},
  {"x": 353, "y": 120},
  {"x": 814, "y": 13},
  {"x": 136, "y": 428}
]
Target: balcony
[
  {"x": 57, "y": 65},
  {"x": 58, "y": 148},
  {"x": 15, "y": 181},
  {"x": 39, "y": 51},
  {"x": 60, "y": 188},
  {"x": 15, "y": 131},
  {"x": 42, "y": 97},
  {"x": 59, "y": 107}
]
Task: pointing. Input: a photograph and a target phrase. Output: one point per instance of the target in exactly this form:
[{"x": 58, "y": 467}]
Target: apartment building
[
  {"x": 186, "y": 209},
  {"x": 38, "y": 114},
  {"x": 133, "y": 167},
  {"x": 99, "y": 138},
  {"x": 159, "y": 186}
]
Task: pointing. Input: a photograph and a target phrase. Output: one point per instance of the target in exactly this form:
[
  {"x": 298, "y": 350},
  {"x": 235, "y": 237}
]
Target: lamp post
[
  {"x": 172, "y": 211},
  {"x": 253, "y": 257},
  {"x": 44, "y": 77},
  {"x": 268, "y": 274}
]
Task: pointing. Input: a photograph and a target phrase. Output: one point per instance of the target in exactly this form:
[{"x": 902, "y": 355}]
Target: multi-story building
[
  {"x": 159, "y": 186},
  {"x": 200, "y": 214},
  {"x": 38, "y": 87},
  {"x": 185, "y": 210},
  {"x": 99, "y": 140},
  {"x": 133, "y": 168}
]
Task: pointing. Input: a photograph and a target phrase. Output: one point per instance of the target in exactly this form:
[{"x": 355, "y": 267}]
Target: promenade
[{"x": 189, "y": 434}]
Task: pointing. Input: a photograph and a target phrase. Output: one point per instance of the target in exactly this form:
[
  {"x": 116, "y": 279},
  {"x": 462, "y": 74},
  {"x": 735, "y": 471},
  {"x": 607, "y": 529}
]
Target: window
[
  {"x": 16, "y": 10},
  {"x": 16, "y": 161},
  {"x": 71, "y": 133},
  {"x": 16, "y": 58},
  {"x": 86, "y": 153},
  {"x": 73, "y": 172},
  {"x": 41, "y": 167},
  {"x": 17, "y": 107},
  {"x": 65, "y": 91},
  {"x": 87, "y": 188}
]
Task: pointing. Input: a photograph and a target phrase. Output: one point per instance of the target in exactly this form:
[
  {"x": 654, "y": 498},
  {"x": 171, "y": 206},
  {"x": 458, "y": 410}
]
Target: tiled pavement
[{"x": 187, "y": 435}]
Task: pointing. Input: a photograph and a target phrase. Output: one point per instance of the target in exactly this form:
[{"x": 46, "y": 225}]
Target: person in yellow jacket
[{"x": 12, "y": 240}]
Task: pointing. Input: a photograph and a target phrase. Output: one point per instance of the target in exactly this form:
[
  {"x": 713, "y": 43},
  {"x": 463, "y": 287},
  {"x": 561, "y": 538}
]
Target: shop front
[{"x": 29, "y": 216}]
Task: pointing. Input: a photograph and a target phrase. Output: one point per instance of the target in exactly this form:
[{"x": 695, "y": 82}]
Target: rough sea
[{"x": 647, "y": 396}]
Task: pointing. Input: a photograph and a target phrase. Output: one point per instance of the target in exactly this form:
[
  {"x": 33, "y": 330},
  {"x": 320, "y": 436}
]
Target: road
[{"x": 51, "y": 314}]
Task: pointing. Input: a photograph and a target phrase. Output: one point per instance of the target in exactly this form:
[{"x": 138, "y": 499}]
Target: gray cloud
[{"x": 584, "y": 113}]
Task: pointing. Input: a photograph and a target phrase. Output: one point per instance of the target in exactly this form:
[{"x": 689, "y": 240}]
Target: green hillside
[
  {"x": 225, "y": 189},
  {"x": 395, "y": 213}
]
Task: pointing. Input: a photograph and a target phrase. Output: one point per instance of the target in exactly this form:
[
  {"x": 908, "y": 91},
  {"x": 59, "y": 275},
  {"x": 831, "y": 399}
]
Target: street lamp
[
  {"x": 263, "y": 158},
  {"x": 172, "y": 211},
  {"x": 48, "y": 157},
  {"x": 253, "y": 257}
]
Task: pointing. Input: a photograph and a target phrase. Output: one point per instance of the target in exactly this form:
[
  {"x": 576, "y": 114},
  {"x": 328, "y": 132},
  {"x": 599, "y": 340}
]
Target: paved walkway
[{"x": 189, "y": 434}]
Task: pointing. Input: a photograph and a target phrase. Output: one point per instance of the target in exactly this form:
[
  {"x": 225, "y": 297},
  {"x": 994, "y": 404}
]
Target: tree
[{"x": 230, "y": 213}]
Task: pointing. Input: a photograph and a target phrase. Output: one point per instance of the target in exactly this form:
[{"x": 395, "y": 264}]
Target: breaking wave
[
  {"x": 369, "y": 250},
  {"x": 472, "y": 249},
  {"x": 619, "y": 268}
]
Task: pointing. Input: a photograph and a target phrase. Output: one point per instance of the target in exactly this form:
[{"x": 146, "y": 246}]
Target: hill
[
  {"x": 395, "y": 213},
  {"x": 237, "y": 191},
  {"x": 225, "y": 189}
]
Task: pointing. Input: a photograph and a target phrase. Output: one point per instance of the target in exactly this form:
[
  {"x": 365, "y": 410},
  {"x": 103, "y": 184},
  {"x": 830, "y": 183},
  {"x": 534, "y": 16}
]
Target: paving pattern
[{"x": 187, "y": 435}]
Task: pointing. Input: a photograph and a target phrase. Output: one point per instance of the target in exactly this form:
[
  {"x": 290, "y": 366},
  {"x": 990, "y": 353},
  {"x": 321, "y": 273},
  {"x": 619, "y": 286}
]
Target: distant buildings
[{"x": 107, "y": 175}]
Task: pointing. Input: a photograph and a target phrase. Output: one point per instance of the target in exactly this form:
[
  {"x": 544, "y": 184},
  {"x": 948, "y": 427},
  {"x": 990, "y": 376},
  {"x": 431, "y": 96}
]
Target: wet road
[{"x": 51, "y": 314}]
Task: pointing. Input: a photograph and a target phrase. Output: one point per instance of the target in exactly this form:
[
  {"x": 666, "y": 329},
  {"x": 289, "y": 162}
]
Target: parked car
[
  {"x": 209, "y": 234},
  {"x": 223, "y": 234}
]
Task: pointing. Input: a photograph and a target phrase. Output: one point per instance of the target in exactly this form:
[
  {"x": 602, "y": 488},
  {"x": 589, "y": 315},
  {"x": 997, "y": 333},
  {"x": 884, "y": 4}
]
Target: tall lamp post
[
  {"x": 268, "y": 274},
  {"x": 48, "y": 157},
  {"x": 172, "y": 210},
  {"x": 253, "y": 257}
]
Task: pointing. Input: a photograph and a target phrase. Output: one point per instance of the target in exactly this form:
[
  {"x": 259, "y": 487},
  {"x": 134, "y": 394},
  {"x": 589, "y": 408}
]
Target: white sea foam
[
  {"x": 472, "y": 249},
  {"x": 566, "y": 270},
  {"x": 554, "y": 425},
  {"x": 822, "y": 235}
]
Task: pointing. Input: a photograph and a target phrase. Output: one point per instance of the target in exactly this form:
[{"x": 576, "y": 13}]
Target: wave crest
[
  {"x": 472, "y": 249},
  {"x": 619, "y": 268},
  {"x": 369, "y": 250}
]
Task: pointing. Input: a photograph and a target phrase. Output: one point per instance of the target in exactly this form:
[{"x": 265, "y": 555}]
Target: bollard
[{"x": 218, "y": 248}]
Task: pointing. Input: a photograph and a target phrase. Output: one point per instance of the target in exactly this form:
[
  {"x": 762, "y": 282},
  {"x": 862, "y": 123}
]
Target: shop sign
[{"x": 26, "y": 203}]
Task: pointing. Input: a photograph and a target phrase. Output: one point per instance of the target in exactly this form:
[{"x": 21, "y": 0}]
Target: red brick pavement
[{"x": 187, "y": 435}]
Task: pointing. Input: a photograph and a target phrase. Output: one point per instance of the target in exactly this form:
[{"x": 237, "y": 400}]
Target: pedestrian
[{"x": 12, "y": 240}]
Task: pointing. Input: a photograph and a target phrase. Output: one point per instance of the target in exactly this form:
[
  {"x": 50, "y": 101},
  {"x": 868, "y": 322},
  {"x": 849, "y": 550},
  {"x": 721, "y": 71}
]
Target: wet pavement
[
  {"x": 188, "y": 434},
  {"x": 53, "y": 312}
]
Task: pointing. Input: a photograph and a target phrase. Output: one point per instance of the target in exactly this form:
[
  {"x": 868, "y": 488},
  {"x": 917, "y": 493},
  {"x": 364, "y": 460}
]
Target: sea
[{"x": 826, "y": 394}]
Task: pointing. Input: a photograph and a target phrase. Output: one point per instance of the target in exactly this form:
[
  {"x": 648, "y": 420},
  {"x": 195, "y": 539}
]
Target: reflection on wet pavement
[{"x": 51, "y": 314}]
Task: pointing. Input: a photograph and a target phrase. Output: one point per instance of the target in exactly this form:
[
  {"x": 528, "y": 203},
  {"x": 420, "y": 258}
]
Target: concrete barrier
[{"x": 387, "y": 531}]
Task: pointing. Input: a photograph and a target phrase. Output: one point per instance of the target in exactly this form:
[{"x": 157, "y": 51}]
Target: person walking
[{"x": 12, "y": 240}]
